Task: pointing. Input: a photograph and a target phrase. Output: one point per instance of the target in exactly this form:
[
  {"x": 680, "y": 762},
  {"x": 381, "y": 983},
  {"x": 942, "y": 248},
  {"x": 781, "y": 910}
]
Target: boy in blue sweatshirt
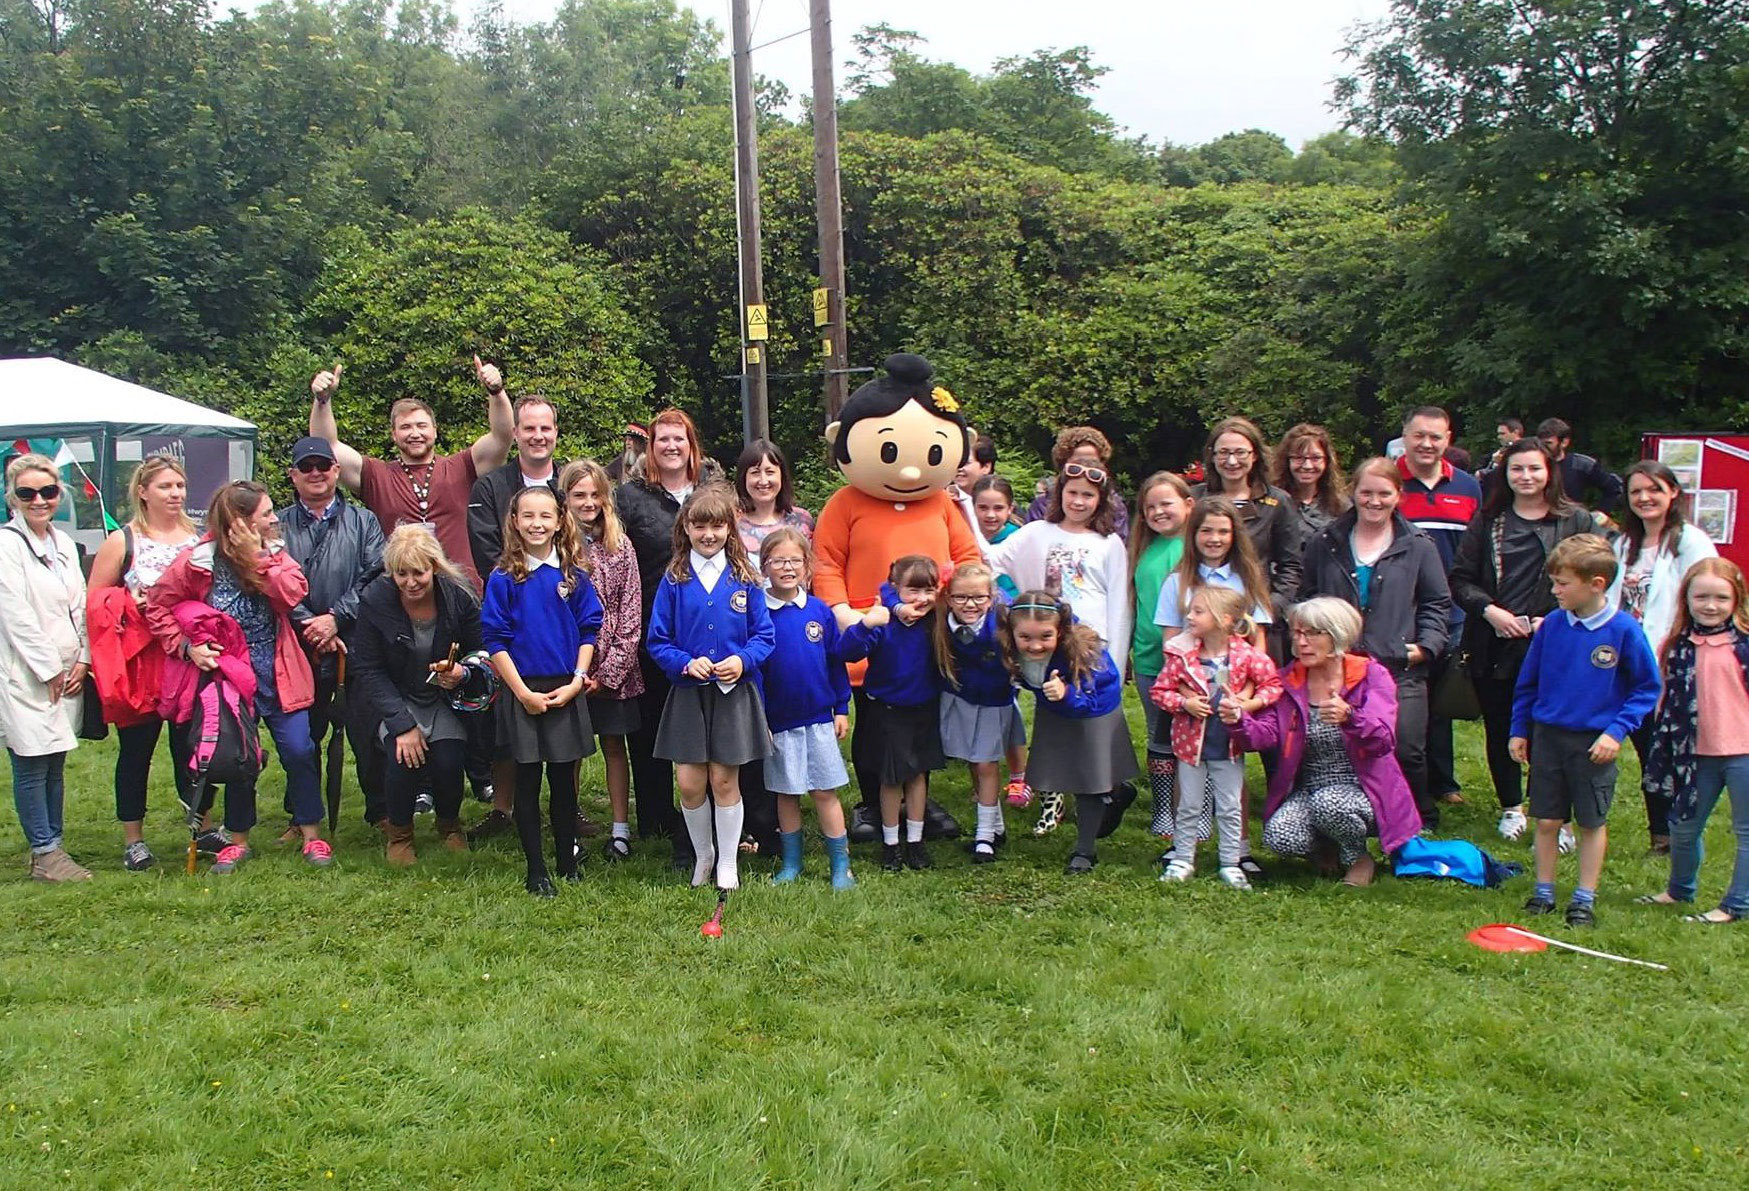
[{"x": 1587, "y": 682}]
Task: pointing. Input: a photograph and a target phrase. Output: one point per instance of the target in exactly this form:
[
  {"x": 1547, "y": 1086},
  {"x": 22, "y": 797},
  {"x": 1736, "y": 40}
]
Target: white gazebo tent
[{"x": 98, "y": 428}]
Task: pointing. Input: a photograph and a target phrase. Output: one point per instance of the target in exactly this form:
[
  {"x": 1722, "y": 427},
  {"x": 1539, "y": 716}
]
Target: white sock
[
  {"x": 913, "y": 831},
  {"x": 698, "y": 826},
  {"x": 889, "y": 835},
  {"x": 729, "y": 821},
  {"x": 622, "y": 830},
  {"x": 989, "y": 822}
]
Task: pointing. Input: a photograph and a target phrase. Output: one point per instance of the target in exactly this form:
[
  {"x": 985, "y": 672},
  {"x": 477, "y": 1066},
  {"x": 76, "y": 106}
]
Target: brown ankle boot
[
  {"x": 57, "y": 866},
  {"x": 401, "y": 845},
  {"x": 451, "y": 833}
]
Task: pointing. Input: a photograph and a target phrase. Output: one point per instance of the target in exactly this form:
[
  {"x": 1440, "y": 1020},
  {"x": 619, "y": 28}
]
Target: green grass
[{"x": 1003, "y": 1026}]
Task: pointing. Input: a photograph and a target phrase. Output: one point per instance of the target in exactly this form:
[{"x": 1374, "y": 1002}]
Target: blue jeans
[
  {"x": 297, "y": 754},
  {"x": 38, "y": 793},
  {"x": 1686, "y": 849}
]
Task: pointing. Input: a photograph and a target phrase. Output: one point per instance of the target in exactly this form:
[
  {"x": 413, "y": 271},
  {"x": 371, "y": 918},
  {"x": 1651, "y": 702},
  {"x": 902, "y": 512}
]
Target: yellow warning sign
[
  {"x": 822, "y": 308},
  {"x": 826, "y": 347},
  {"x": 753, "y": 354},
  {"x": 756, "y": 324}
]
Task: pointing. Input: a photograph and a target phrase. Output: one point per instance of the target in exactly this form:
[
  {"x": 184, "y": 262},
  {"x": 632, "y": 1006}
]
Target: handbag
[
  {"x": 92, "y": 725},
  {"x": 1454, "y": 695}
]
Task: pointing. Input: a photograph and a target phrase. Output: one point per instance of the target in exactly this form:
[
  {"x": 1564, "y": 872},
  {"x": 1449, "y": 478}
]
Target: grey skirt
[
  {"x": 1072, "y": 756},
  {"x": 562, "y": 734},
  {"x": 973, "y": 732},
  {"x": 614, "y": 717},
  {"x": 701, "y": 723}
]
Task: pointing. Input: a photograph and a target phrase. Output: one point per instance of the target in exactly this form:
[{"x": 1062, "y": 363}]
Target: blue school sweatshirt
[
  {"x": 901, "y": 660},
  {"x": 687, "y": 622},
  {"x": 805, "y": 682},
  {"x": 983, "y": 679},
  {"x": 1099, "y": 693},
  {"x": 529, "y": 621},
  {"x": 1586, "y": 679}
]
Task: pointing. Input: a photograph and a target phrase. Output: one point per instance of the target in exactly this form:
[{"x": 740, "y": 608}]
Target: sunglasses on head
[
  {"x": 47, "y": 492},
  {"x": 1083, "y": 471},
  {"x": 314, "y": 463}
]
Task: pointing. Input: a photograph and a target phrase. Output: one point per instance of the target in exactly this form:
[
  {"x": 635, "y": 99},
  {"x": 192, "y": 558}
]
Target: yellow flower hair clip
[{"x": 944, "y": 400}]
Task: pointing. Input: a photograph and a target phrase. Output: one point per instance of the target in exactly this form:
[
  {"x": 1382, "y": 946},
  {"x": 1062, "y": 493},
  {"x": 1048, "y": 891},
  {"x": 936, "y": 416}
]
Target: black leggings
[
  {"x": 133, "y": 766},
  {"x": 562, "y": 782},
  {"x": 1495, "y": 696},
  {"x": 445, "y": 765}
]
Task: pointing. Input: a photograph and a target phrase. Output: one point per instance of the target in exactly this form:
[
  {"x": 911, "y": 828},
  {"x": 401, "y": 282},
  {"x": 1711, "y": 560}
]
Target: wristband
[{"x": 579, "y": 674}]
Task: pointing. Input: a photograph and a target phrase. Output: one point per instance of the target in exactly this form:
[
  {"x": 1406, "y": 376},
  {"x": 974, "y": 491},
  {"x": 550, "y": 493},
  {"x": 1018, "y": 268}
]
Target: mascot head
[{"x": 900, "y": 437}]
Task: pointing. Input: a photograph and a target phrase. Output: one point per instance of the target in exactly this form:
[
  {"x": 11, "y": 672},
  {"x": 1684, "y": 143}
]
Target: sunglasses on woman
[
  {"x": 1083, "y": 471},
  {"x": 47, "y": 492}
]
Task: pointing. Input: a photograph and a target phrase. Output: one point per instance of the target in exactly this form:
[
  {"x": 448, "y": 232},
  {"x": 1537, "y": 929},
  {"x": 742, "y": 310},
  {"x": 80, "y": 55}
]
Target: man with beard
[{"x": 630, "y": 462}]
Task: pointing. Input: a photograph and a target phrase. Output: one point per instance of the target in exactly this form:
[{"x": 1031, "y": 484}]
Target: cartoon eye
[
  {"x": 889, "y": 452},
  {"x": 935, "y": 455}
]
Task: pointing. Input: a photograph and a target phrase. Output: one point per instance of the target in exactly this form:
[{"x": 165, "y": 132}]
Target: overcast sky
[{"x": 1180, "y": 71}]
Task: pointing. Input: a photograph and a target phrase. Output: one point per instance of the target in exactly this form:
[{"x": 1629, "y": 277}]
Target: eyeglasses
[
  {"x": 1237, "y": 455},
  {"x": 1084, "y": 471},
  {"x": 784, "y": 564},
  {"x": 314, "y": 463},
  {"x": 1299, "y": 459},
  {"x": 47, "y": 492},
  {"x": 967, "y": 601}
]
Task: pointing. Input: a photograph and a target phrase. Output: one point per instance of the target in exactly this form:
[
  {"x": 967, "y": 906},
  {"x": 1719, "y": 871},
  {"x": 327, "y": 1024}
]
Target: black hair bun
[{"x": 909, "y": 368}]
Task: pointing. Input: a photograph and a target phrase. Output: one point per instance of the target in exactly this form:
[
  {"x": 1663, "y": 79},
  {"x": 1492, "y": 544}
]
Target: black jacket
[
  {"x": 487, "y": 503},
  {"x": 1580, "y": 472},
  {"x": 1474, "y": 586},
  {"x": 339, "y": 555},
  {"x": 383, "y": 669},
  {"x": 1409, "y": 602},
  {"x": 647, "y": 511},
  {"x": 1273, "y": 525}
]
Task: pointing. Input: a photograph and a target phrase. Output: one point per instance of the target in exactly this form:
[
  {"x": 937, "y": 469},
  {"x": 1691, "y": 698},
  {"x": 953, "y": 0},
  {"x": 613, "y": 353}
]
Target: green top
[{"x": 1159, "y": 560}]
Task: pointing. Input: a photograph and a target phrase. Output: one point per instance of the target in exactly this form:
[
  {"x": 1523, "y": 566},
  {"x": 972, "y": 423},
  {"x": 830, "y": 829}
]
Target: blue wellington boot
[
  {"x": 838, "y": 856},
  {"x": 792, "y": 858}
]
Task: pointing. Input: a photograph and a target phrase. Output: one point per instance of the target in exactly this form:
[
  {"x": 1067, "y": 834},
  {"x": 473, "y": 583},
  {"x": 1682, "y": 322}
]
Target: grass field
[{"x": 1002, "y": 1026}]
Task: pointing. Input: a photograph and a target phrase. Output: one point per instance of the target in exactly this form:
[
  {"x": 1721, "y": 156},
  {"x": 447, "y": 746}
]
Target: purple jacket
[{"x": 1370, "y": 736}]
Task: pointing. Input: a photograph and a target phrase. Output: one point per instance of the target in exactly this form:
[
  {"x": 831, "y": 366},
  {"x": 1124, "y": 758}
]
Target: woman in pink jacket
[{"x": 240, "y": 569}]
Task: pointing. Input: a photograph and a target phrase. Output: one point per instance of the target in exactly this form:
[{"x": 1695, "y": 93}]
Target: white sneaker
[
  {"x": 1235, "y": 878},
  {"x": 1179, "y": 872},
  {"x": 1512, "y": 823},
  {"x": 1566, "y": 843}
]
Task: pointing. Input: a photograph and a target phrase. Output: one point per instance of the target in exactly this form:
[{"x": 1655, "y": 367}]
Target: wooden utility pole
[
  {"x": 755, "y": 409},
  {"x": 829, "y": 211}
]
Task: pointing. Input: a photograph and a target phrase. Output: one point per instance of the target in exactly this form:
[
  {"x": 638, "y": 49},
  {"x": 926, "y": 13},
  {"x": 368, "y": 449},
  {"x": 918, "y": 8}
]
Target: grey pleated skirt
[
  {"x": 973, "y": 732},
  {"x": 1070, "y": 756},
  {"x": 562, "y": 734},
  {"x": 701, "y": 723},
  {"x": 613, "y": 717}
]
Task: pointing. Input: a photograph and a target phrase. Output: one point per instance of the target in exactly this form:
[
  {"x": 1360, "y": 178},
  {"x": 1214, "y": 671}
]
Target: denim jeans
[
  {"x": 297, "y": 755},
  {"x": 38, "y": 793},
  {"x": 1686, "y": 849}
]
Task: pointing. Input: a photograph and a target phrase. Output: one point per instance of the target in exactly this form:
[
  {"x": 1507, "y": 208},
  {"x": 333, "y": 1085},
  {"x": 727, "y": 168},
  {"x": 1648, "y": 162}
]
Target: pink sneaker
[
  {"x": 1019, "y": 793},
  {"x": 318, "y": 853},
  {"x": 229, "y": 857}
]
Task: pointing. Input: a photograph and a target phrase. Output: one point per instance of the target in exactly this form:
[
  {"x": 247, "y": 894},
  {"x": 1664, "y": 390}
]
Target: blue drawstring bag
[{"x": 1457, "y": 859}]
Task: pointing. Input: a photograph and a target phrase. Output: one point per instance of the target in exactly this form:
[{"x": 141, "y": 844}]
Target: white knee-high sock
[
  {"x": 698, "y": 826},
  {"x": 989, "y": 822},
  {"x": 729, "y": 821}
]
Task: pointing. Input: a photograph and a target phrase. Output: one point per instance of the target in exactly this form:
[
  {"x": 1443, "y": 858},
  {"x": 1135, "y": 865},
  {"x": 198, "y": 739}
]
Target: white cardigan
[
  {"x": 1093, "y": 574},
  {"x": 42, "y": 634},
  {"x": 1663, "y": 581}
]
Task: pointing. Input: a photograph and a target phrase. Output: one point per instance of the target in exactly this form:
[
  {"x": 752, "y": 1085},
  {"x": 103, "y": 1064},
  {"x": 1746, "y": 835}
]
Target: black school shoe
[
  {"x": 1580, "y": 915},
  {"x": 983, "y": 852},
  {"x": 890, "y": 859},
  {"x": 540, "y": 887},
  {"x": 1119, "y": 802},
  {"x": 917, "y": 856},
  {"x": 1079, "y": 864},
  {"x": 1539, "y": 905}
]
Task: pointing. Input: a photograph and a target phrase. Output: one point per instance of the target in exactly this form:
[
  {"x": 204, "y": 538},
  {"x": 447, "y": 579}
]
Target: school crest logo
[
  {"x": 738, "y": 601},
  {"x": 816, "y": 631},
  {"x": 1604, "y": 657}
]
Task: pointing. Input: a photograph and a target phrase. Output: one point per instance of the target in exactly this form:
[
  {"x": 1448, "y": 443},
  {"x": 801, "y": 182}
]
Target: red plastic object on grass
[{"x": 1503, "y": 936}]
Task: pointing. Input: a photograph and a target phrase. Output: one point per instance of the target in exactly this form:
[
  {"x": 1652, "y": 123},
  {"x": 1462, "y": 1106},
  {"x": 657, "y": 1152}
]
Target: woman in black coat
[
  {"x": 1236, "y": 462},
  {"x": 412, "y": 620},
  {"x": 1373, "y": 558}
]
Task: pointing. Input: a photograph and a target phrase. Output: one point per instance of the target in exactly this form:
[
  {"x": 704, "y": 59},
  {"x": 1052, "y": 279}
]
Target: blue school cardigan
[{"x": 689, "y": 622}]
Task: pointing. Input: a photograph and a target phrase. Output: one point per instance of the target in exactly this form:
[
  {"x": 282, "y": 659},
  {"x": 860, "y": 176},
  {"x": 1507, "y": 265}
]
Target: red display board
[{"x": 1713, "y": 467}]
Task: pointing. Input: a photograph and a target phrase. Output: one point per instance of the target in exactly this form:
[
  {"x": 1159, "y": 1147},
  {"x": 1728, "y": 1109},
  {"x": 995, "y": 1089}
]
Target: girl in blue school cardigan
[
  {"x": 980, "y": 722},
  {"x": 538, "y": 623},
  {"x": 709, "y": 632}
]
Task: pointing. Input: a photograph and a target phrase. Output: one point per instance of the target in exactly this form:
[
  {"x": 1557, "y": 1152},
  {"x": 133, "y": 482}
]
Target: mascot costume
[{"x": 899, "y": 440}]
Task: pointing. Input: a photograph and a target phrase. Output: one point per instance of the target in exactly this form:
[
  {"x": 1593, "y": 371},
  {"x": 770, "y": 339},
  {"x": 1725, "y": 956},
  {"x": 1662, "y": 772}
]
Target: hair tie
[{"x": 1053, "y": 609}]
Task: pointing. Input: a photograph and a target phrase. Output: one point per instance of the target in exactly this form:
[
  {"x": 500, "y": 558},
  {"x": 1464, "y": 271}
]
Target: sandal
[
  {"x": 1656, "y": 899},
  {"x": 1708, "y": 919},
  {"x": 619, "y": 849}
]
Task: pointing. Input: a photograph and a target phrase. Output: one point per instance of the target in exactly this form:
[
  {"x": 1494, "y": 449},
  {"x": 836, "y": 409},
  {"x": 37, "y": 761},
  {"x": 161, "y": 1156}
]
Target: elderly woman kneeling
[{"x": 1338, "y": 781}]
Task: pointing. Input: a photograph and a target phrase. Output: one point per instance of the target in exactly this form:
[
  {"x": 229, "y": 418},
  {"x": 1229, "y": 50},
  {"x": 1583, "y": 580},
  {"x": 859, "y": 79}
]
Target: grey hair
[
  {"x": 29, "y": 461},
  {"x": 1335, "y": 618}
]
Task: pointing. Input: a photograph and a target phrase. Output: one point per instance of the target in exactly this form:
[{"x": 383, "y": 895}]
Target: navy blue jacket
[
  {"x": 805, "y": 682},
  {"x": 901, "y": 658},
  {"x": 983, "y": 679},
  {"x": 687, "y": 622}
]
